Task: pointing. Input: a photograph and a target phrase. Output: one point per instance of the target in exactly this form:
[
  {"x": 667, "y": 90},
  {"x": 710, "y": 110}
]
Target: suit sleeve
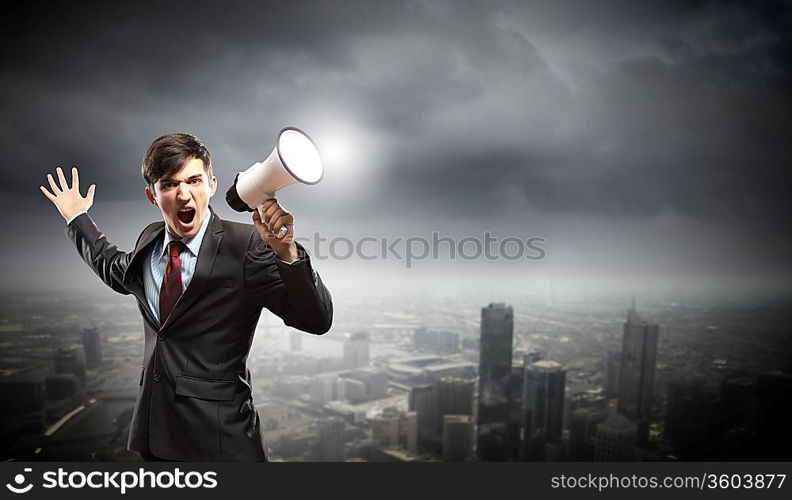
[
  {"x": 103, "y": 257},
  {"x": 294, "y": 292}
]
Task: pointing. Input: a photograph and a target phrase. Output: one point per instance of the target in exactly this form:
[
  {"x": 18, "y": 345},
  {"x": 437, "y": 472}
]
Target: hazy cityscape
[
  {"x": 561, "y": 375},
  {"x": 639, "y": 145}
]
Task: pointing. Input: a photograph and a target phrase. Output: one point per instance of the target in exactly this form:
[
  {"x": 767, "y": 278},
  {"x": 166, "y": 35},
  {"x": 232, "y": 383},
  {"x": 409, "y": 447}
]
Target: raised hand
[{"x": 67, "y": 199}]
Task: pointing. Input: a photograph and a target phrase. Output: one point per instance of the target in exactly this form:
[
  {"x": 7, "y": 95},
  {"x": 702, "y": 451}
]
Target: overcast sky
[{"x": 646, "y": 143}]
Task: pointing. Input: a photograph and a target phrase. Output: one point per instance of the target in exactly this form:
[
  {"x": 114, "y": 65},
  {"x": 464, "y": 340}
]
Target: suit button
[
  {"x": 157, "y": 378},
  {"x": 160, "y": 337}
]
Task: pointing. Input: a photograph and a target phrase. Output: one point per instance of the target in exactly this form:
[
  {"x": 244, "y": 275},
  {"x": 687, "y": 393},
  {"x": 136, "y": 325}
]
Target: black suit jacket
[{"x": 194, "y": 400}]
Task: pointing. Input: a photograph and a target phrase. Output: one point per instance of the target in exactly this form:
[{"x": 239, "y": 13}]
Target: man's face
[{"x": 183, "y": 198}]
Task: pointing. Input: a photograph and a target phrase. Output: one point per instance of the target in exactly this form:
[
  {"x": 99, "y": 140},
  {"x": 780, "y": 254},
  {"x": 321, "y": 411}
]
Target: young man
[{"x": 200, "y": 283}]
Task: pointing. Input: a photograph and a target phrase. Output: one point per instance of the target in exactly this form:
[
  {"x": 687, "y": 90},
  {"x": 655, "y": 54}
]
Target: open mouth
[{"x": 186, "y": 215}]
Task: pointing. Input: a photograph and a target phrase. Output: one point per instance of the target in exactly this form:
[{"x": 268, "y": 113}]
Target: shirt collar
[{"x": 193, "y": 243}]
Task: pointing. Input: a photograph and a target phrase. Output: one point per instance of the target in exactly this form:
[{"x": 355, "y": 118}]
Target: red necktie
[{"x": 171, "y": 288}]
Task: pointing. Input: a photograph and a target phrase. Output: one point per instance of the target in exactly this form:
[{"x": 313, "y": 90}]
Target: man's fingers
[
  {"x": 272, "y": 217},
  {"x": 282, "y": 221},
  {"x": 268, "y": 203},
  {"x": 52, "y": 184},
  {"x": 272, "y": 210},
  {"x": 91, "y": 191},
  {"x": 75, "y": 180},
  {"x": 260, "y": 226},
  {"x": 49, "y": 195},
  {"x": 269, "y": 218},
  {"x": 257, "y": 222},
  {"x": 285, "y": 230},
  {"x": 275, "y": 221},
  {"x": 257, "y": 217},
  {"x": 62, "y": 179}
]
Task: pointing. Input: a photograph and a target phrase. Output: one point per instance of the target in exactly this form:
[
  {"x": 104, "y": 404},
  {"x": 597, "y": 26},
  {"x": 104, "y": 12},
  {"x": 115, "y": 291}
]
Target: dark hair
[{"x": 168, "y": 154}]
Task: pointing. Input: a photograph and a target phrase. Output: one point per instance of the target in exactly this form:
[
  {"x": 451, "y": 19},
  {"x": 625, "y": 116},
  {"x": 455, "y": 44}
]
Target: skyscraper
[
  {"x": 395, "y": 428},
  {"x": 615, "y": 439},
  {"x": 331, "y": 440},
  {"x": 692, "y": 415},
  {"x": 457, "y": 438},
  {"x": 516, "y": 410},
  {"x": 70, "y": 361},
  {"x": 455, "y": 396},
  {"x": 385, "y": 428},
  {"x": 543, "y": 407},
  {"x": 92, "y": 345},
  {"x": 423, "y": 401},
  {"x": 322, "y": 388},
  {"x": 611, "y": 375},
  {"x": 495, "y": 366},
  {"x": 435, "y": 341},
  {"x": 408, "y": 431},
  {"x": 356, "y": 350},
  {"x": 582, "y": 428},
  {"x": 685, "y": 399},
  {"x": 637, "y": 371}
]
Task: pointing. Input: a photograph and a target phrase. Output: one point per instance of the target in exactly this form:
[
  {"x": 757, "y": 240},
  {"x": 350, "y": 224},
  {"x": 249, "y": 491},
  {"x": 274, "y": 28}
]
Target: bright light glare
[
  {"x": 337, "y": 150},
  {"x": 347, "y": 151},
  {"x": 300, "y": 156}
]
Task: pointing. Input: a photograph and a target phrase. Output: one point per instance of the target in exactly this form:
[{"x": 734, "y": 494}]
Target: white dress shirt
[{"x": 158, "y": 261}]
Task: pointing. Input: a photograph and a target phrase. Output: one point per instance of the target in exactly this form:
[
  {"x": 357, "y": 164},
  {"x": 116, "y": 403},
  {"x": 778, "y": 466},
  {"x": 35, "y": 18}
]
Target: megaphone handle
[{"x": 260, "y": 208}]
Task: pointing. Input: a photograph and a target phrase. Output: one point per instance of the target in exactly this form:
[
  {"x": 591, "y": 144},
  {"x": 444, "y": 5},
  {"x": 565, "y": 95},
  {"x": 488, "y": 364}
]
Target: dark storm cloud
[
  {"x": 692, "y": 119},
  {"x": 462, "y": 109},
  {"x": 92, "y": 85}
]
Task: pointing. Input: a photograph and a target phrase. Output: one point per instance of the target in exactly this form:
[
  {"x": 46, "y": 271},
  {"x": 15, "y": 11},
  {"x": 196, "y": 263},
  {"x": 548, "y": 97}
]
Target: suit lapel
[
  {"x": 203, "y": 269},
  {"x": 133, "y": 277}
]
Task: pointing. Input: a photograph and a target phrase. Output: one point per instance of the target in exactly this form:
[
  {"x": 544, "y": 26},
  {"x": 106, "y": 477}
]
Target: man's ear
[
  {"x": 213, "y": 186},
  {"x": 150, "y": 196}
]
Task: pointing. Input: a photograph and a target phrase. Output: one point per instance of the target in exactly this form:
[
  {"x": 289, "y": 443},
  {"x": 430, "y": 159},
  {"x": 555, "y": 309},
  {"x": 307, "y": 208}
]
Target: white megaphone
[{"x": 294, "y": 159}]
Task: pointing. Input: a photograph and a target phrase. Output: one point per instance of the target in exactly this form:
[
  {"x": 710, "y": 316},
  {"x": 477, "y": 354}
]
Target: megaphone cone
[{"x": 295, "y": 159}]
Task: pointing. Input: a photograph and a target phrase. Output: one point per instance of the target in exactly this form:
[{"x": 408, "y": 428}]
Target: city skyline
[{"x": 408, "y": 348}]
